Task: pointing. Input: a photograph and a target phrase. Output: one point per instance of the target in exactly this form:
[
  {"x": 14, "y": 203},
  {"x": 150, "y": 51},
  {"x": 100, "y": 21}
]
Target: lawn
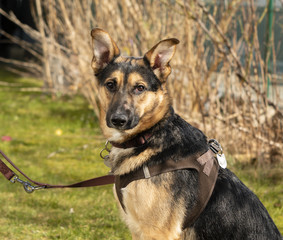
[
  {"x": 58, "y": 141},
  {"x": 34, "y": 122}
]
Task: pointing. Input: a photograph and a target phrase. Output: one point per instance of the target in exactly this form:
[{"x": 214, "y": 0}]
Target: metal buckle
[
  {"x": 29, "y": 188},
  {"x": 215, "y": 146}
]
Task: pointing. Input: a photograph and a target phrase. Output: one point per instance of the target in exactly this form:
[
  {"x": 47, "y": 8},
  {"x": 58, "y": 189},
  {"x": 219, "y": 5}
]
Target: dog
[{"x": 137, "y": 118}]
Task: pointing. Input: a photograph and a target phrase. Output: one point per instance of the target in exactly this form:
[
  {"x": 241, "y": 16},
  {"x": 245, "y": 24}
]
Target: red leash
[{"x": 29, "y": 188}]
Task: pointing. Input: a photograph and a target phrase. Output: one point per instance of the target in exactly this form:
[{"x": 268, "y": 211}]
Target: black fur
[{"x": 234, "y": 211}]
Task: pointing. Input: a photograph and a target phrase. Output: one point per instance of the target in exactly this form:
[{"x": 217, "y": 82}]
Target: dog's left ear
[
  {"x": 159, "y": 57},
  {"x": 104, "y": 49}
]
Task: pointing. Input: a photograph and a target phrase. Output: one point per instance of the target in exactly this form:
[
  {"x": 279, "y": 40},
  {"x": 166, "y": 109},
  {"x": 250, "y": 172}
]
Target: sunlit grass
[
  {"x": 32, "y": 120},
  {"x": 267, "y": 184}
]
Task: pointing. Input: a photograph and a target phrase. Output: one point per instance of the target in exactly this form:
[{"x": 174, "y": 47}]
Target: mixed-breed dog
[{"x": 169, "y": 184}]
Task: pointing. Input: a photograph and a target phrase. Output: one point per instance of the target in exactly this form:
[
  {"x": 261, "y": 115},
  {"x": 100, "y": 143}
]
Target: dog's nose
[{"x": 119, "y": 120}]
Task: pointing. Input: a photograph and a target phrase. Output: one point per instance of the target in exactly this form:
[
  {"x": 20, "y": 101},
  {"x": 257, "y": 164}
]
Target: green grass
[{"x": 31, "y": 119}]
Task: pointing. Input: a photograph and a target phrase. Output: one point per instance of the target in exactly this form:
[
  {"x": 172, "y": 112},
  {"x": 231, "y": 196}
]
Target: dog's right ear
[{"x": 104, "y": 49}]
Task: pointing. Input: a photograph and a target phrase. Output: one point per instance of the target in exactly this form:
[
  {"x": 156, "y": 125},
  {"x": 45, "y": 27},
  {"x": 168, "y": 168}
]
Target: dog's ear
[
  {"x": 104, "y": 49},
  {"x": 160, "y": 55}
]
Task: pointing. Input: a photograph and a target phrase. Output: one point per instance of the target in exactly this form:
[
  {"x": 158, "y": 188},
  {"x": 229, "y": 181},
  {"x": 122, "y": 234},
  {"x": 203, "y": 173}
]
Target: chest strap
[{"x": 206, "y": 165}]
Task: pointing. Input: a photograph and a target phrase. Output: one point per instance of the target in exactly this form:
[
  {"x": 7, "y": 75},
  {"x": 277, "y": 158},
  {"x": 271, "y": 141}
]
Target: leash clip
[
  {"x": 215, "y": 146},
  {"x": 105, "y": 149},
  {"x": 29, "y": 188},
  {"x": 106, "y": 156}
]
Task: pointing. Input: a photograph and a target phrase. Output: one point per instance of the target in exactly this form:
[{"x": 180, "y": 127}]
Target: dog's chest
[{"x": 151, "y": 210}]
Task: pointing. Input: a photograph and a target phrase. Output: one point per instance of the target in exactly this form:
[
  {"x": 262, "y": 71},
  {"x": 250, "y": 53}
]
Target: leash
[
  {"x": 29, "y": 187},
  {"x": 93, "y": 182},
  {"x": 10, "y": 175}
]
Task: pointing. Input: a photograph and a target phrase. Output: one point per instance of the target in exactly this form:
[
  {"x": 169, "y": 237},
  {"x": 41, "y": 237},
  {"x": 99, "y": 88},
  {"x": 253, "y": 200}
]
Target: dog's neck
[
  {"x": 127, "y": 156},
  {"x": 143, "y": 137}
]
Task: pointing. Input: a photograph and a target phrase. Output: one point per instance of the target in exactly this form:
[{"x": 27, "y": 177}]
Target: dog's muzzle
[{"x": 122, "y": 121}]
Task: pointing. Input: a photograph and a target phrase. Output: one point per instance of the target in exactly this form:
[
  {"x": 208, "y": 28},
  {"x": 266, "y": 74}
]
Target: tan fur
[
  {"x": 104, "y": 95},
  {"x": 128, "y": 164},
  {"x": 135, "y": 79},
  {"x": 153, "y": 219}
]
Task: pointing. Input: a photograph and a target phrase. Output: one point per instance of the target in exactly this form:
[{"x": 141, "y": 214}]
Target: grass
[{"x": 32, "y": 119}]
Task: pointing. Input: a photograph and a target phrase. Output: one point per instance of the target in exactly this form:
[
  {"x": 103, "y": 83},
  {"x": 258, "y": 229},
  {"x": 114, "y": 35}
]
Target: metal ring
[
  {"x": 101, "y": 155},
  {"x": 28, "y": 187},
  {"x": 105, "y": 149}
]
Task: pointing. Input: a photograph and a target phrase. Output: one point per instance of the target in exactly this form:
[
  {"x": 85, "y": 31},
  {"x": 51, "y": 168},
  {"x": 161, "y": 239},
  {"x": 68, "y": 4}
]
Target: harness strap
[{"x": 206, "y": 165}]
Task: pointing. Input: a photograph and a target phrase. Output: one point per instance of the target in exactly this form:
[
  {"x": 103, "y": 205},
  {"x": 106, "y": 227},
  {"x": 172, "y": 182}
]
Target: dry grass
[{"x": 219, "y": 79}]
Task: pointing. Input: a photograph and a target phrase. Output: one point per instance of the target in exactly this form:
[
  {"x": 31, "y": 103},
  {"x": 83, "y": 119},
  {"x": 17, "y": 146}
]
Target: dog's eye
[
  {"x": 139, "y": 89},
  {"x": 111, "y": 85}
]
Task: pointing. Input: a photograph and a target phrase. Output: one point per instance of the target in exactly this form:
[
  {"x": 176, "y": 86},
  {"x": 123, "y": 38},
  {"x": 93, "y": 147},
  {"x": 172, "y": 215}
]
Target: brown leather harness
[{"x": 206, "y": 165}]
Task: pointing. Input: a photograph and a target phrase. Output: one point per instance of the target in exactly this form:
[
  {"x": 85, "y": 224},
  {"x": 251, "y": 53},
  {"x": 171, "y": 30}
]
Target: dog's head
[{"x": 132, "y": 92}]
